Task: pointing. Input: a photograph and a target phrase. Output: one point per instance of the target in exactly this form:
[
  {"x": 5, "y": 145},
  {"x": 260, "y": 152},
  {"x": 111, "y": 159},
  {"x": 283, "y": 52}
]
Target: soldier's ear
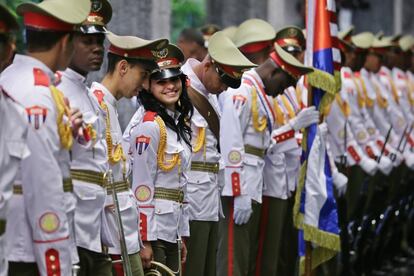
[{"x": 122, "y": 67}]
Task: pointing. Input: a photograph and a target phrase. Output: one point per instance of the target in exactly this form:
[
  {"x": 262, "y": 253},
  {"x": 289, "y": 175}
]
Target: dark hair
[
  {"x": 113, "y": 59},
  {"x": 185, "y": 108},
  {"x": 192, "y": 35},
  {"x": 43, "y": 40}
]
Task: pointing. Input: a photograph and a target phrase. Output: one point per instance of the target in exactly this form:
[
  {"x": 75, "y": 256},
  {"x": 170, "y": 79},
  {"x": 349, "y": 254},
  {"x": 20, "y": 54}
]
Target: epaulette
[
  {"x": 99, "y": 95},
  {"x": 347, "y": 75},
  {"x": 149, "y": 116},
  {"x": 40, "y": 77},
  {"x": 357, "y": 74}
]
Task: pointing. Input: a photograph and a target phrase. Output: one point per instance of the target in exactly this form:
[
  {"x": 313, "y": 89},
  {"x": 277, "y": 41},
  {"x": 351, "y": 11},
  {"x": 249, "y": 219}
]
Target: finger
[{"x": 66, "y": 101}]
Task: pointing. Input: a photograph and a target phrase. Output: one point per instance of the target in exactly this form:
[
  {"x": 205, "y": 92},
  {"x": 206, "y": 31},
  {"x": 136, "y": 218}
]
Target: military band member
[
  {"x": 130, "y": 59},
  {"x": 42, "y": 203},
  {"x": 13, "y": 134},
  {"x": 160, "y": 145},
  {"x": 222, "y": 68},
  {"x": 89, "y": 153}
]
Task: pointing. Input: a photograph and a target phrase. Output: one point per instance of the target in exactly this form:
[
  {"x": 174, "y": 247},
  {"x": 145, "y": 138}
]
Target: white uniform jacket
[
  {"x": 203, "y": 187},
  {"x": 160, "y": 218},
  {"x": 13, "y": 148},
  {"x": 89, "y": 153},
  {"x": 126, "y": 199},
  {"x": 246, "y": 123},
  {"x": 38, "y": 229}
]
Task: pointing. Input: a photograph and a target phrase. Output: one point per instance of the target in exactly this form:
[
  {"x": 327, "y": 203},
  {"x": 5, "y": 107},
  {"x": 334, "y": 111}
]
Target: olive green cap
[
  {"x": 135, "y": 47},
  {"x": 346, "y": 34},
  {"x": 230, "y": 32},
  {"x": 8, "y": 21},
  {"x": 223, "y": 51},
  {"x": 291, "y": 38},
  {"x": 72, "y": 12},
  {"x": 289, "y": 63},
  {"x": 252, "y": 31},
  {"x": 209, "y": 29},
  {"x": 406, "y": 42},
  {"x": 98, "y": 18},
  {"x": 363, "y": 40}
]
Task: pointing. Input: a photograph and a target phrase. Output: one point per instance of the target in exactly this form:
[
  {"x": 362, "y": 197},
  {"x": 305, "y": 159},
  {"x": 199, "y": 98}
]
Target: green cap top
[
  {"x": 363, "y": 40},
  {"x": 60, "y": 15},
  {"x": 8, "y": 21},
  {"x": 291, "y": 38},
  {"x": 406, "y": 42},
  {"x": 253, "y": 31},
  {"x": 135, "y": 47},
  {"x": 289, "y": 63},
  {"x": 230, "y": 32},
  {"x": 346, "y": 34}
]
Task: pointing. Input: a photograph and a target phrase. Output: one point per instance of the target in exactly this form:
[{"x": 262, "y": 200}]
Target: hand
[
  {"x": 305, "y": 118},
  {"x": 183, "y": 253},
  {"x": 242, "y": 209},
  {"x": 409, "y": 159},
  {"x": 368, "y": 165},
  {"x": 77, "y": 121},
  {"x": 385, "y": 165},
  {"x": 340, "y": 182},
  {"x": 146, "y": 254}
]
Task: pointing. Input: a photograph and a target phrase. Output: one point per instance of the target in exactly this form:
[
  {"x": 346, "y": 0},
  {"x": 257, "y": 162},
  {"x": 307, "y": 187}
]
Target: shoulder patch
[
  {"x": 141, "y": 143},
  {"x": 239, "y": 101},
  {"x": 99, "y": 95},
  {"x": 36, "y": 115},
  {"x": 357, "y": 74},
  {"x": 149, "y": 116},
  {"x": 40, "y": 77}
]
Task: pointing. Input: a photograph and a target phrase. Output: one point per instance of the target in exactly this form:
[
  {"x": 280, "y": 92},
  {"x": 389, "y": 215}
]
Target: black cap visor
[
  {"x": 162, "y": 74},
  {"x": 92, "y": 29}
]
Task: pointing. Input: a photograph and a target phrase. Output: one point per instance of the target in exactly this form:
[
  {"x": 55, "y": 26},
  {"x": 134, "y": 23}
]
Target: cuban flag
[{"x": 315, "y": 212}]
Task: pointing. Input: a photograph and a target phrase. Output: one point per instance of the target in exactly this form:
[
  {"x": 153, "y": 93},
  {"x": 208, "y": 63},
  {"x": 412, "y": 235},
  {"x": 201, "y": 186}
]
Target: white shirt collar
[
  {"x": 35, "y": 63},
  {"x": 109, "y": 98},
  {"x": 73, "y": 75}
]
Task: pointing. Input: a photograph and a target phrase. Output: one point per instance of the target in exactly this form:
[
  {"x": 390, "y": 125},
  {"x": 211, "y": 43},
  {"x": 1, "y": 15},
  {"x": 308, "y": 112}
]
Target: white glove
[
  {"x": 305, "y": 118},
  {"x": 385, "y": 165},
  {"x": 409, "y": 159},
  {"x": 340, "y": 182},
  {"x": 368, "y": 165},
  {"x": 397, "y": 158},
  {"x": 242, "y": 209}
]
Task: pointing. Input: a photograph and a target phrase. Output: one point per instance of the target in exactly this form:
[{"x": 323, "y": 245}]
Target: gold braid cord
[
  {"x": 165, "y": 165},
  {"x": 288, "y": 106},
  {"x": 279, "y": 113},
  {"x": 259, "y": 125},
  {"x": 409, "y": 92},
  {"x": 115, "y": 152},
  {"x": 200, "y": 139},
  {"x": 346, "y": 110},
  {"x": 64, "y": 128},
  {"x": 382, "y": 102},
  {"x": 360, "y": 96}
]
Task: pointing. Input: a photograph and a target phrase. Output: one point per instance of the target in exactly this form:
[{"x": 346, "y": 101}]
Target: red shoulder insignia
[
  {"x": 149, "y": 116},
  {"x": 52, "y": 262},
  {"x": 382, "y": 73},
  {"x": 357, "y": 74},
  {"x": 40, "y": 77},
  {"x": 347, "y": 75},
  {"x": 99, "y": 95}
]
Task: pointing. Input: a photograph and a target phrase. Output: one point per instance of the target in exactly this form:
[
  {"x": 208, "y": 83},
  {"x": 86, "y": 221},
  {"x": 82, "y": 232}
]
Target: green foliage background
[{"x": 185, "y": 14}]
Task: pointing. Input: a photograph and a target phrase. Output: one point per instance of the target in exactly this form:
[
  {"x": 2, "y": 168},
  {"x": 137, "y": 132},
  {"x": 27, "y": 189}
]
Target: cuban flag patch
[
  {"x": 36, "y": 115},
  {"x": 239, "y": 101},
  {"x": 141, "y": 143}
]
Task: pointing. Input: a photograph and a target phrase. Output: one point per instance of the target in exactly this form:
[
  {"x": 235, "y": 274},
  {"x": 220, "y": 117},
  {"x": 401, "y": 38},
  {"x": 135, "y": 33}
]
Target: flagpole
[{"x": 308, "y": 259}]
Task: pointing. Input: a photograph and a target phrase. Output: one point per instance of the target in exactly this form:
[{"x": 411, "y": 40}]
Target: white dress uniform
[
  {"x": 13, "y": 148},
  {"x": 203, "y": 187},
  {"x": 39, "y": 211},
  {"x": 361, "y": 97},
  {"x": 397, "y": 118},
  {"x": 336, "y": 120},
  {"x": 401, "y": 83},
  {"x": 127, "y": 202},
  {"x": 245, "y": 128},
  {"x": 89, "y": 159},
  {"x": 160, "y": 191}
]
